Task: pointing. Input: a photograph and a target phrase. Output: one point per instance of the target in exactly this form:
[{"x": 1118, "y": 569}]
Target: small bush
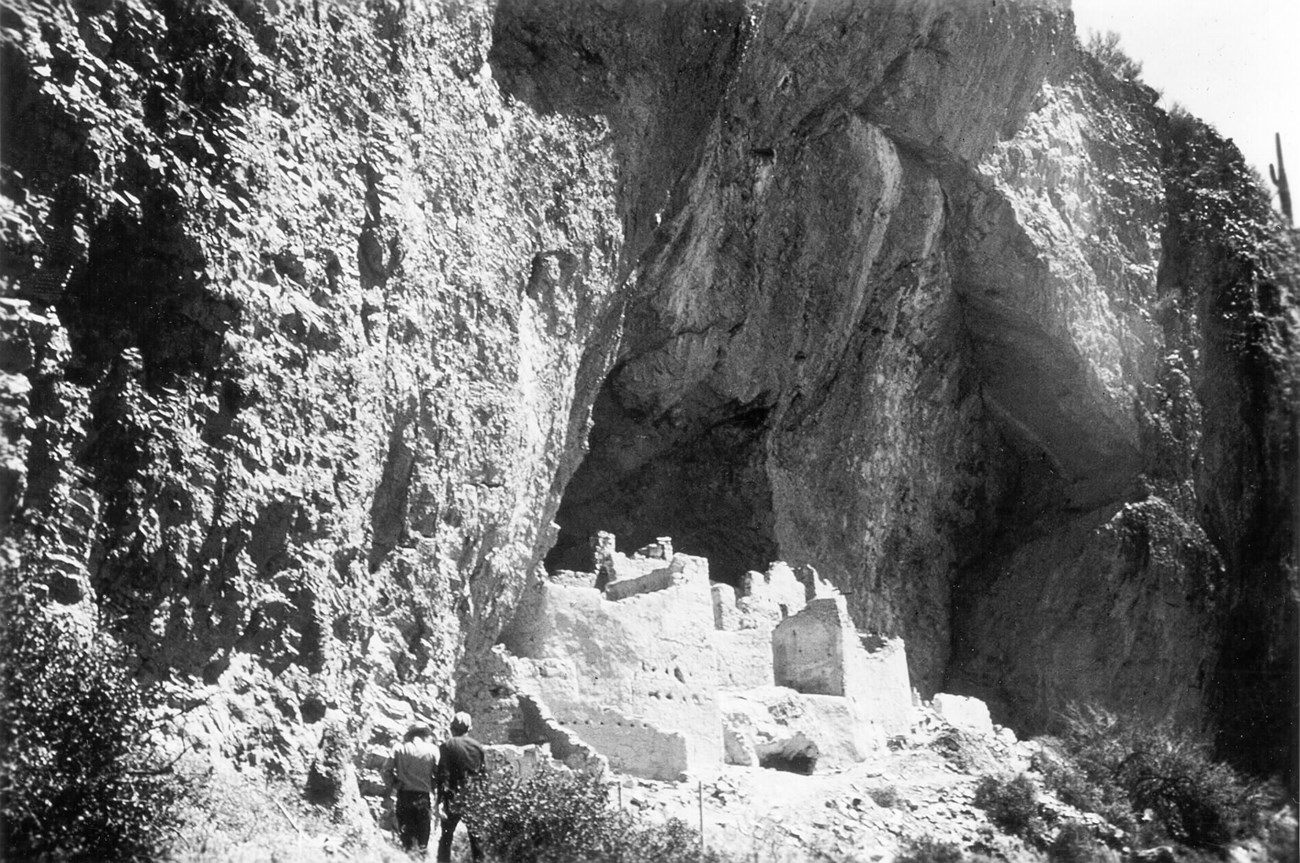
[
  {"x": 1105, "y": 48},
  {"x": 1076, "y": 844},
  {"x": 1200, "y": 802},
  {"x": 674, "y": 840},
  {"x": 535, "y": 818},
  {"x": 929, "y": 850},
  {"x": 1011, "y": 804},
  {"x": 1075, "y": 788},
  {"x": 555, "y": 816},
  {"x": 79, "y": 778},
  {"x": 886, "y": 797}
]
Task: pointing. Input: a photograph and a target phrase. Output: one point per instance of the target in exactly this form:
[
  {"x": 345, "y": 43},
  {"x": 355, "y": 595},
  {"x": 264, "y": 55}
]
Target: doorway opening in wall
[{"x": 803, "y": 763}]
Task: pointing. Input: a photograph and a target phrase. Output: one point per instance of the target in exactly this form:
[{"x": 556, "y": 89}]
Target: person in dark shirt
[{"x": 460, "y": 757}]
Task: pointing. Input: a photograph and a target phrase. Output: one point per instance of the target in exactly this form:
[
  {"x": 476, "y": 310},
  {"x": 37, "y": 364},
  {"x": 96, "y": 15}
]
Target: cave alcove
[{"x": 695, "y": 473}]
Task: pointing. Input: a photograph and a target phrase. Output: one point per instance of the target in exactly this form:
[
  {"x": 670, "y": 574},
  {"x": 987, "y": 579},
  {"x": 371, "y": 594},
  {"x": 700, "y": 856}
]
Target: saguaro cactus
[{"x": 1279, "y": 180}]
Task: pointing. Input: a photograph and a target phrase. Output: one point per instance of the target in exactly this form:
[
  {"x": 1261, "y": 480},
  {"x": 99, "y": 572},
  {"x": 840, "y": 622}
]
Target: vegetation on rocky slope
[
  {"x": 1129, "y": 770},
  {"x": 81, "y": 775},
  {"x": 555, "y": 816},
  {"x": 1234, "y": 272},
  {"x": 1105, "y": 790}
]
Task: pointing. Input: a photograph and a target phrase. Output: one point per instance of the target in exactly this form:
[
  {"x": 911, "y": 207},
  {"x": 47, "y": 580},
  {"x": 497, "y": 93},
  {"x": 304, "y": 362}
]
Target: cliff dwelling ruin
[
  {"x": 331, "y": 334},
  {"x": 642, "y": 662}
]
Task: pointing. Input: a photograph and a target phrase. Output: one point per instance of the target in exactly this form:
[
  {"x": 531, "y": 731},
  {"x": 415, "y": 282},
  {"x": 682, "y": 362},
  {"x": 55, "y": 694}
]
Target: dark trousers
[
  {"x": 414, "y": 819},
  {"x": 444, "y": 839}
]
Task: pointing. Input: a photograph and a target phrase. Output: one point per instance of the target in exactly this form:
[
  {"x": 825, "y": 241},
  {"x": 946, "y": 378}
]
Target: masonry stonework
[
  {"x": 645, "y": 665},
  {"x": 808, "y": 649}
]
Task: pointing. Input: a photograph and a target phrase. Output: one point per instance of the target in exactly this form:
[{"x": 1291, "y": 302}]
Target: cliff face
[
  {"x": 310, "y": 312},
  {"x": 982, "y": 383},
  {"x": 1168, "y": 279},
  {"x": 302, "y": 324}
]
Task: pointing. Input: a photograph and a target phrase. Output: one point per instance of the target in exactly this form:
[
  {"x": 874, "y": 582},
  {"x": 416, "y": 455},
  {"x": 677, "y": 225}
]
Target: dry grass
[{"x": 244, "y": 819}]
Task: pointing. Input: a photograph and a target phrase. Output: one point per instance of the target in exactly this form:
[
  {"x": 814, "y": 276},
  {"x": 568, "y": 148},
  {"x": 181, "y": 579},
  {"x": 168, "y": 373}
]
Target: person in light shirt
[{"x": 411, "y": 769}]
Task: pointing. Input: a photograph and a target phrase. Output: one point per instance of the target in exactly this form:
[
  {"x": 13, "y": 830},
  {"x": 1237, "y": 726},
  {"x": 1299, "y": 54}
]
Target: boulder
[
  {"x": 966, "y": 713},
  {"x": 774, "y": 726}
]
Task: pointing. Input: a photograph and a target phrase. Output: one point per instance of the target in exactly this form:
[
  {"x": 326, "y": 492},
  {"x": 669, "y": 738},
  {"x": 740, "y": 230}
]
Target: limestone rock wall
[
  {"x": 794, "y": 381},
  {"x": 302, "y": 320},
  {"x": 1112, "y": 573}
]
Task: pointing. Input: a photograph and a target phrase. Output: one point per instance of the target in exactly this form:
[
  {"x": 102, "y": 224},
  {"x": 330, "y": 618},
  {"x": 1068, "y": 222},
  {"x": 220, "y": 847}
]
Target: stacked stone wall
[
  {"x": 809, "y": 649},
  {"x": 641, "y": 669},
  {"x": 637, "y": 669}
]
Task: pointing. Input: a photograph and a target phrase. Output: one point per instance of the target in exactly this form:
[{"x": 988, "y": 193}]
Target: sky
[{"x": 1233, "y": 63}]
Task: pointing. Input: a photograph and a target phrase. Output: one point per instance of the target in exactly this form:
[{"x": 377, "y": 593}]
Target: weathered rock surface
[
  {"x": 302, "y": 321},
  {"x": 959, "y": 711},
  {"x": 976, "y": 362},
  {"x": 309, "y": 311}
]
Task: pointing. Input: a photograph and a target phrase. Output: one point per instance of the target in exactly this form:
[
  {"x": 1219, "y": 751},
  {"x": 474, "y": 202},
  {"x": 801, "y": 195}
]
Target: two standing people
[{"x": 419, "y": 770}]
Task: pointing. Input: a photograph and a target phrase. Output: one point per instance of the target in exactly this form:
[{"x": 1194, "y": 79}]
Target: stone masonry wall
[
  {"x": 637, "y": 670},
  {"x": 647, "y": 658},
  {"x": 809, "y": 649}
]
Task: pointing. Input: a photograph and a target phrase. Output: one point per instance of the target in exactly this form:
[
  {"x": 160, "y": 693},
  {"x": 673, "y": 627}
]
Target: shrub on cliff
[
  {"x": 929, "y": 850},
  {"x": 1106, "y": 50},
  {"x": 78, "y": 775},
  {"x": 1155, "y": 768},
  {"x": 1011, "y": 804},
  {"x": 555, "y": 816},
  {"x": 886, "y": 797},
  {"x": 1073, "y": 786},
  {"x": 1075, "y": 843}
]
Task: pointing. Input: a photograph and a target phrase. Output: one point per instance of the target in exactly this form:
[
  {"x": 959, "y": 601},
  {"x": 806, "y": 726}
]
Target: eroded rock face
[
  {"x": 308, "y": 314},
  {"x": 799, "y": 302},
  {"x": 930, "y": 314},
  {"x": 302, "y": 323},
  {"x": 1125, "y": 523}
]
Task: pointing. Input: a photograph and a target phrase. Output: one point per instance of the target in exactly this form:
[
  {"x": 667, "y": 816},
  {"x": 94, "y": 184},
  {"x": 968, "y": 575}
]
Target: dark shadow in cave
[
  {"x": 700, "y": 480},
  {"x": 802, "y": 763}
]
